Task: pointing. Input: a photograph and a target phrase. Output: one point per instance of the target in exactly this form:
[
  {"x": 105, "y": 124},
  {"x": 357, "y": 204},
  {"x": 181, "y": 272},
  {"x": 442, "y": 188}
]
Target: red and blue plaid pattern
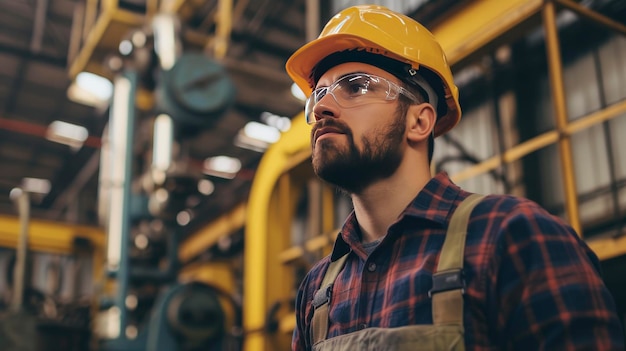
[{"x": 532, "y": 283}]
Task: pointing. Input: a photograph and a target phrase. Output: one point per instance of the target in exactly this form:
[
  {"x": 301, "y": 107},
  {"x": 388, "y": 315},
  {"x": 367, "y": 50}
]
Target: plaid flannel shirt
[{"x": 531, "y": 282}]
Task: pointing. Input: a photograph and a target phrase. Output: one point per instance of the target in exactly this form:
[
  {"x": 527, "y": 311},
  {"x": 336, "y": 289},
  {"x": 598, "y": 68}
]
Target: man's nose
[{"x": 326, "y": 107}]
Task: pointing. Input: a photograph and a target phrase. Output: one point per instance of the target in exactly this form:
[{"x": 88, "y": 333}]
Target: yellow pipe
[
  {"x": 48, "y": 236},
  {"x": 328, "y": 208},
  {"x": 287, "y": 324},
  {"x": 219, "y": 274},
  {"x": 479, "y": 23},
  {"x": 558, "y": 96},
  {"x": 272, "y": 165},
  {"x": 91, "y": 12},
  {"x": 172, "y": 6},
  {"x": 152, "y": 7},
  {"x": 224, "y": 26},
  {"x": 109, "y": 5},
  {"x": 208, "y": 236}
]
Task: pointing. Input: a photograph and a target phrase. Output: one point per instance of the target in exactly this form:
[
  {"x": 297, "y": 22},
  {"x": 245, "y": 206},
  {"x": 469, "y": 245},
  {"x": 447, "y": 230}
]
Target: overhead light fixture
[
  {"x": 15, "y": 193},
  {"x": 90, "y": 89},
  {"x": 257, "y": 136},
  {"x": 183, "y": 218},
  {"x": 245, "y": 142},
  {"x": 35, "y": 185},
  {"x": 297, "y": 92},
  {"x": 67, "y": 133},
  {"x": 126, "y": 47},
  {"x": 262, "y": 132},
  {"x": 206, "y": 187},
  {"x": 222, "y": 166},
  {"x": 279, "y": 122}
]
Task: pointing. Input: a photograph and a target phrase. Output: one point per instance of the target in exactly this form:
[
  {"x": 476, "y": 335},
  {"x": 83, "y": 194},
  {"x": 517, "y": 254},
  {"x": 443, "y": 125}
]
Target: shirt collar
[
  {"x": 435, "y": 200},
  {"x": 432, "y": 203}
]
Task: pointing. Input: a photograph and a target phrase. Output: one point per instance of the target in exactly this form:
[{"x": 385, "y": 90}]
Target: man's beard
[{"x": 352, "y": 170}]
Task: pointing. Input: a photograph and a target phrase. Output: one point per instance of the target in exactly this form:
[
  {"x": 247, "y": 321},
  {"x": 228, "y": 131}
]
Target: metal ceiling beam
[
  {"x": 39, "y": 57},
  {"x": 39, "y": 26},
  {"x": 72, "y": 191}
]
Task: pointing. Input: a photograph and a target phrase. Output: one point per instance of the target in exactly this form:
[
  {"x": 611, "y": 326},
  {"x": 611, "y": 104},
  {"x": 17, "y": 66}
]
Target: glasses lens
[
  {"x": 351, "y": 91},
  {"x": 310, "y": 103},
  {"x": 357, "y": 89}
]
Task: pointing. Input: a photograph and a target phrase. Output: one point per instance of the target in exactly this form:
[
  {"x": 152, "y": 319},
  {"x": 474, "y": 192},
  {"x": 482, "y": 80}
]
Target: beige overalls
[{"x": 447, "y": 331}]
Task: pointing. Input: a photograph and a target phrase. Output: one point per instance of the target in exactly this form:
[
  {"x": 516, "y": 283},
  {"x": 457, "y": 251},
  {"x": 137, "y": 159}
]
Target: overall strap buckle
[
  {"x": 447, "y": 280},
  {"x": 322, "y": 296}
]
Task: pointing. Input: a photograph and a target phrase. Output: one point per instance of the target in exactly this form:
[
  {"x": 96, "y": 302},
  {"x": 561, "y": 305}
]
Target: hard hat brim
[{"x": 301, "y": 64}]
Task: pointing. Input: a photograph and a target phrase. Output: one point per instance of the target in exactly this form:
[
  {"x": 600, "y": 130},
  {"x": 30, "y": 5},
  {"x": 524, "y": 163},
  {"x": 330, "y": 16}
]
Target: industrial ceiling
[
  {"x": 39, "y": 50},
  {"x": 36, "y": 56}
]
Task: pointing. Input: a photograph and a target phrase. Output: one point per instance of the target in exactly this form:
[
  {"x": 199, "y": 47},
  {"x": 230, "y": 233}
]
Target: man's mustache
[{"x": 331, "y": 123}]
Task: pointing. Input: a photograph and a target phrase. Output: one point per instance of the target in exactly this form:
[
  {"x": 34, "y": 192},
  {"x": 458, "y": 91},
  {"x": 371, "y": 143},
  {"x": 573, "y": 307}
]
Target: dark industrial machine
[{"x": 148, "y": 308}]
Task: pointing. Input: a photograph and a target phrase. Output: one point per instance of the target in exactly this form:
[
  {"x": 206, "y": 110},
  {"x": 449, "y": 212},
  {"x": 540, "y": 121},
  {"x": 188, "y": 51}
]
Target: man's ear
[{"x": 421, "y": 122}]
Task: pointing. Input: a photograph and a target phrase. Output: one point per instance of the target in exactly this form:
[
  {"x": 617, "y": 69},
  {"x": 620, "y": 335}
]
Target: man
[{"x": 400, "y": 277}]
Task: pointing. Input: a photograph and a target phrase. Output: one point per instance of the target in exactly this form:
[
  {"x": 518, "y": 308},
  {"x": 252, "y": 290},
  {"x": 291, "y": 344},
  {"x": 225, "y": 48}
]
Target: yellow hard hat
[{"x": 378, "y": 30}]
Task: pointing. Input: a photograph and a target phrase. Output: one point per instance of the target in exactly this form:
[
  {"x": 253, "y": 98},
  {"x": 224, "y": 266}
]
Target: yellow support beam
[
  {"x": 48, "y": 236},
  {"x": 557, "y": 89},
  {"x": 219, "y": 44},
  {"x": 218, "y": 274},
  {"x": 208, "y": 236},
  {"x": 103, "y": 37},
  {"x": 479, "y": 23},
  {"x": 548, "y": 138},
  {"x": 607, "y": 248},
  {"x": 276, "y": 161}
]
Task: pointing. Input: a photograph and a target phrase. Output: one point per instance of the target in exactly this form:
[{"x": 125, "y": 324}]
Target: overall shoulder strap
[
  {"x": 448, "y": 282},
  {"x": 321, "y": 300}
]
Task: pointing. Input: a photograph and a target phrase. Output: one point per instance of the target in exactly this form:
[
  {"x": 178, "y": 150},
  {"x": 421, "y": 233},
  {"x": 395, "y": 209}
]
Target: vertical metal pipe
[
  {"x": 20, "y": 276},
  {"x": 497, "y": 119},
  {"x": 162, "y": 147},
  {"x": 608, "y": 144},
  {"x": 167, "y": 43},
  {"x": 39, "y": 26},
  {"x": 312, "y": 19},
  {"x": 121, "y": 123},
  {"x": 555, "y": 71},
  {"x": 91, "y": 12},
  {"x": 224, "y": 27},
  {"x": 76, "y": 38}
]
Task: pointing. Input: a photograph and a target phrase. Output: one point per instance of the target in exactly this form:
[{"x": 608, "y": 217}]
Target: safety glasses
[{"x": 354, "y": 90}]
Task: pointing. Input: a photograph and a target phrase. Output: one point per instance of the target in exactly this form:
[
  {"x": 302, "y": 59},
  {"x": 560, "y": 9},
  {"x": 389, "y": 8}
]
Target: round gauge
[{"x": 197, "y": 90}]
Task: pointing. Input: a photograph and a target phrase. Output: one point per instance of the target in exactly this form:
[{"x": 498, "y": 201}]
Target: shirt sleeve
[
  {"x": 298, "y": 341},
  {"x": 550, "y": 295}
]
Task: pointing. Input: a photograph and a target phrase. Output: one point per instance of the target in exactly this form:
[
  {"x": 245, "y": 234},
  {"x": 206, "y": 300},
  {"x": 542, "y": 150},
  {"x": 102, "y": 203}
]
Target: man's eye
[
  {"x": 355, "y": 88},
  {"x": 358, "y": 86}
]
